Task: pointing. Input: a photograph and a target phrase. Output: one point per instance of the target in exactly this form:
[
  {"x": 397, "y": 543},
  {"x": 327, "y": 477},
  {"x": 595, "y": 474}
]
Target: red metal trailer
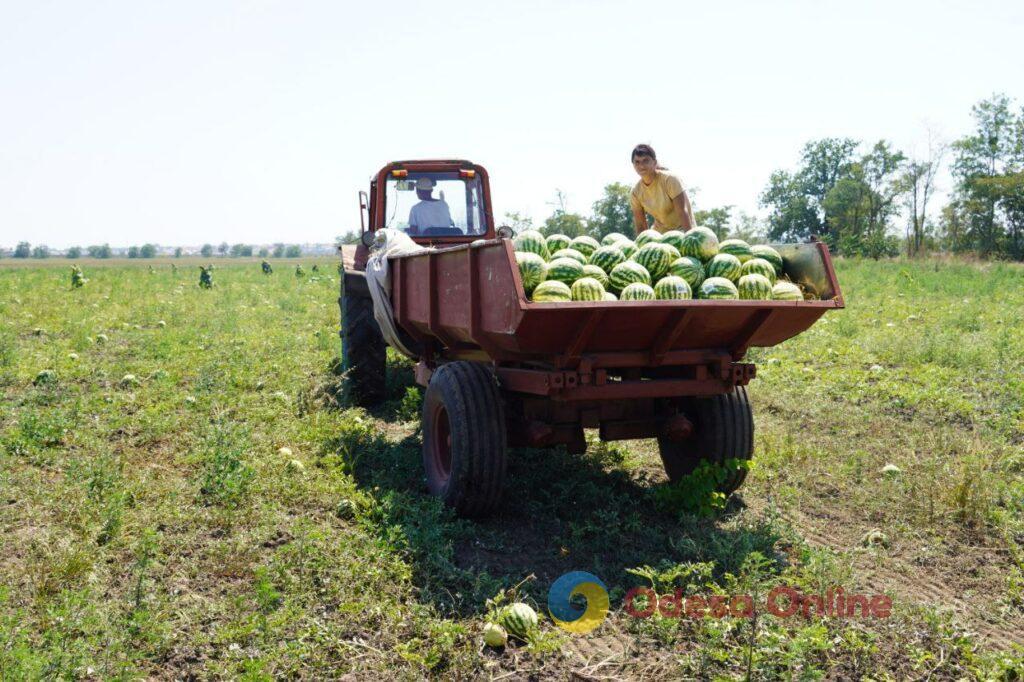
[{"x": 500, "y": 370}]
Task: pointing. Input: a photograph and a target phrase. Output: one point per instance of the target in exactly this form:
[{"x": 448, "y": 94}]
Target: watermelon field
[{"x": 185, "y": 494}]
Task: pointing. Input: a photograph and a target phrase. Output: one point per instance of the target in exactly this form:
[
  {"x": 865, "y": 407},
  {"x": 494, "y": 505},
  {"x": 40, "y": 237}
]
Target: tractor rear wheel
[
  {"x": 363, "y": 350},
  {"x": 464, "y": 443},
  {"x": 723, "y": 429}
]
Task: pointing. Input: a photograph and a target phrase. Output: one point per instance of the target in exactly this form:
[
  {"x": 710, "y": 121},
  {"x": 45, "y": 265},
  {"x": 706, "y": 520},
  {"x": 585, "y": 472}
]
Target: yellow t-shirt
[{"x": 656, "y": 199}]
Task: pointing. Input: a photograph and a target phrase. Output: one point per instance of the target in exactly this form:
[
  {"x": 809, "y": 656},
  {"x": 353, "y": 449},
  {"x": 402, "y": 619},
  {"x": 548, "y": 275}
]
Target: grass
[{"x": 152, "y": 527}]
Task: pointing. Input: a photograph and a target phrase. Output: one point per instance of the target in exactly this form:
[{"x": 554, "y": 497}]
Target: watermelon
[
  {"x": 656, "y": 257},
  {"x": 552, "y": 290},
  {"x": 626, "y": 273},
  {"x": 519, "y": 619},
  {"x": 736, "y": 247},
  {"x": 761, "y": 267},
  {"x": 769, "y": 254},
  {"x": 724, "y": 265},
  {"x": 674, "y": 238},
  {"x": 558, "y": 241},
  {"x": 672, "y": 288},
  {"x": 627, "y": 247},
  {"x": 584, "y": 244},
  {"x": 607, "y": 257},
  {"x": 565, "y": 270},
  {"x": 755, "y": 287},
  {"x": 717, "y": 288},
  {"x": 609, "y": 296},
  {"x": 613, "y": 237},
  {"x": 786, "y": 291},
  {"x": 690, "y": 269},
  {"x": 637, "y": 291},
  {"x": 597, "y": 273},
  {"x": 587, "y": 289},
  {"x": 495, "y": 635},
  {"x": 700, "y": 243},
  {"x": 647, "y": 236},
  {"x": 532, "y": 241},
  {"x": 570, "y": 253},
  {"x": 532, "y": 269}
]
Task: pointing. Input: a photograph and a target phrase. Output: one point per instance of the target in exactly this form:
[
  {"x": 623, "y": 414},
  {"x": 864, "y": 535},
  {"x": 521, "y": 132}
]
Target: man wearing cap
[{"x": 429, "y": 212}]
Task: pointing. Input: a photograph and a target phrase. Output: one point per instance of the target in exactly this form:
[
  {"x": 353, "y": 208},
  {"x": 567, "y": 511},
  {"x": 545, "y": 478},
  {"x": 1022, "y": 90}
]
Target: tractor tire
[
  {"x": 363, "y": 351},
  {"x": 464, "y": 446},
  {"x": 723, "y": 429}
]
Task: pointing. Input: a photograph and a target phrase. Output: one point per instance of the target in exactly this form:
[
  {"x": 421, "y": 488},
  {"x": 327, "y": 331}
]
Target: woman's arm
[
  {"x": 682, "y": 204},
  {"x": 639, "y": 219}
]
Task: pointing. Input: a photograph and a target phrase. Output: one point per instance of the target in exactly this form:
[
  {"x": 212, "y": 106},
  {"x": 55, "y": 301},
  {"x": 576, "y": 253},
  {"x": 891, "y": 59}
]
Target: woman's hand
[
  {"x": 682, "y": 204},
  {"x": 639, "y": 220}
]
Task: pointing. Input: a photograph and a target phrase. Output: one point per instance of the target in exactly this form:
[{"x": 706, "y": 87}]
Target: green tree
[
  {"x": 99, "y": 251},
  {"x": 178, "y": 251},
  {"x": 147, "y": 251},
  {"x": 264, "y": 252},
  {"x": 562, "y": 221},
  {"x": 292, "y": 251},
  {"x": 74, "y": 252},
  {"x": 278, "y": 251},
  {"x": 519, "y": 222},
  {"x": 206, "y": 251},
  {"x": 716, "y": 219},
  {"x": 612, "y": 212},
  {"x": 23, "y": 250},
  {"x": 41, "y": 251},
  {"x": 223, "y": 248},
  {"x": 133, "y": 252}
]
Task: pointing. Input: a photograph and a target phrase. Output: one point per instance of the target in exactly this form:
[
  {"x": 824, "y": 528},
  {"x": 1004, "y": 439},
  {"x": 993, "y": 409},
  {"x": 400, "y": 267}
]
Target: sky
[{"x": 191, "y": 122}]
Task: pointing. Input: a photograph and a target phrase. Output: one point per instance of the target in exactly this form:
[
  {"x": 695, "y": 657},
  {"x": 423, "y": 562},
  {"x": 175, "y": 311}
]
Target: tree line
[{"x": 280, "y": 250}]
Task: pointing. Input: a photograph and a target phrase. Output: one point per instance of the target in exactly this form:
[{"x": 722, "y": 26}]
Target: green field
[{"x": 152, "y": 527}]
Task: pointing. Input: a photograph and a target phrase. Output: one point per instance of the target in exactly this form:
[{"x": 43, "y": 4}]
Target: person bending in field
[
  {"x": 77, "y": 277},
  {"x": 205, "y": 277},
  {"x": 267, "y": 270},
  {"x": 658, "y": 193}
]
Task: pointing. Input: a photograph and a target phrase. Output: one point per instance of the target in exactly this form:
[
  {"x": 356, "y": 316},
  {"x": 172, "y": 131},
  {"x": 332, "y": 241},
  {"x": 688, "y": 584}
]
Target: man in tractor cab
[{"x": 428, "y": 212}]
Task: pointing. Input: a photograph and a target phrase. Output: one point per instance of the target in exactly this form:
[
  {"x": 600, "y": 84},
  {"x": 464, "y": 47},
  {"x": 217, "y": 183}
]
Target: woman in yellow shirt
[{"x": 659, "y": 194}]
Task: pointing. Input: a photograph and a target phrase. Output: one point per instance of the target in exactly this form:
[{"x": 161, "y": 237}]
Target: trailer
[{"x": 500, "y": 370}]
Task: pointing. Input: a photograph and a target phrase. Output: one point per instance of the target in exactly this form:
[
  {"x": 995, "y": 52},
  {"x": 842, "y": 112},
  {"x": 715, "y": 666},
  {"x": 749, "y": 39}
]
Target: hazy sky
[{"x": 192, "y": 122}]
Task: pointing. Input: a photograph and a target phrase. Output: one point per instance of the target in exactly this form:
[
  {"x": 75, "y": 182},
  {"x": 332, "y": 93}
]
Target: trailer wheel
[
  {"x": 464, "y": 438},
  {"x": 723, "y": 428},
  {"x": 363, "y": 350}
]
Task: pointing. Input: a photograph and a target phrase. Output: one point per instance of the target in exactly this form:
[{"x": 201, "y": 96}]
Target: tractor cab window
[{"x": 435, "y": 204}]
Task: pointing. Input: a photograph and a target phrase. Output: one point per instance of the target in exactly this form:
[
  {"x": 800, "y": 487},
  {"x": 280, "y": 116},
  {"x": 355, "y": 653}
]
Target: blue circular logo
[{"x": 572, "y": 618}]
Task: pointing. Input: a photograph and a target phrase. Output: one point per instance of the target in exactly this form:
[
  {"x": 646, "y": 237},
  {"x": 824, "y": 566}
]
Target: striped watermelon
[
  {"x": 637, "y": 291},
  {"x": 587, "y": 289},
  {"x": 597, "y": 273},
  {"x": 570, "y": 253},
  {"x": 675, "y": 238},
  {"x": 736, "y": 247},
  {"x": 565, "y": 270},
  {"x": 552, "y": 290},
  {"x": 647, "y": 236},
  {"x": 690, "y": 269},
  {"x": 754, "y": 287},
  {"x": 624, "y": 274},
  {"x": 761, "y": 267},
  {"x": 607, "y": 257},
  {"x": 717, "y": 288},
  {"x": 724, "y": 265},
  {"x": 556, "y": 242},
  {"x": 519, "y": 619},
  {"x": 613, "y": 237},
  {"x": 769, "y": 254},
  {"x": 609, "y": 296},
  {"x": 656, "y": 257},
  {"x": 672, "y": 288},
  {"x": 584, "y": 244},
  {"x": 700, "y": 243},
  {"x": 532, "y": 270},
  {"x": 532, "y": 241},
  {"x": 628, "y": 248},
  {"x": 786, "y": 291}
]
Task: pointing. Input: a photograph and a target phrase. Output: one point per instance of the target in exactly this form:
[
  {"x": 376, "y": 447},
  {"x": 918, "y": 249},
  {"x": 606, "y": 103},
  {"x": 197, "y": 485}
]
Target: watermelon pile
[{"x": 655, "y": 266}]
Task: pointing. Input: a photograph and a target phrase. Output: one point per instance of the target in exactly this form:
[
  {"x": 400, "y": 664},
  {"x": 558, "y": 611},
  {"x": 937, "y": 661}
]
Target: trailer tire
[
  {"x": 464, "y": 439},
  {"x": 364, "y": 353},
  {"x": 723, "y": 429}
]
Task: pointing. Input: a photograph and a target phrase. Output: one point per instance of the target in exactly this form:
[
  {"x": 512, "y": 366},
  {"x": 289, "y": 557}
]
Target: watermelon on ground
[
  {"x": 701, "y": 243},
  {"x": 613, "y": 237},
  {"x": 717, "y": 288},
  {"x": 754, "y": 287},
  {"x": 552, "y": 290},
  {"x": 647, "y": 236},
  {"x": 626, "y": 273},
  {"x": 557, "y": 242},
  {"x": 674, "y": 238},
  {"x": 760, "y": 266},
  {"x": 628, "y": 248},
  {"x": 769, "y": 254},
  {"x": 786, "y": 291},
  {"x": 519, "y": 619},
  {"x": 532, "y": 270},
  {"x": 566, "y": 270},
  {"x": 607, "y": 257},
  {"x": 637, "y": 291},
  {"x": 690, "y": 269},
  {"x": 532, "y": 241},
  {"x": 656, "y": 257},
  {"x": 724, "y": 265},
  {"x": 597, "y": 273},
  {"x": 736, "y": 247},
  {"x": 587, "y": 289},
  {"x": 672, "y": 288},
  {"x": 585, "y": 244}
]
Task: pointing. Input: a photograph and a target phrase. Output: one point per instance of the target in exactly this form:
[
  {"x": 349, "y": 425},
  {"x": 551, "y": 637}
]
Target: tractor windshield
[{"x": 434, "y": 204}]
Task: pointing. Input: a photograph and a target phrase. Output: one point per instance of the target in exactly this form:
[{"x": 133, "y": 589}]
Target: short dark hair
[{"x": 643, "y": 150}]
